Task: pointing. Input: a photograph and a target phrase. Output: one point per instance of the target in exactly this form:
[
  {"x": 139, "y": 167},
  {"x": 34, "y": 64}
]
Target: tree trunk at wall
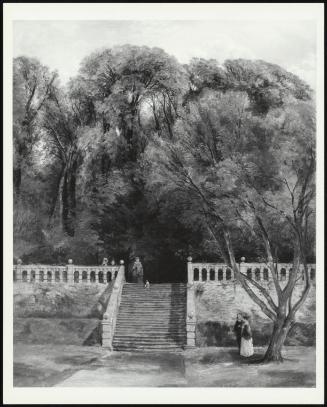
[
  {"x": 277, "y": 339},
  {"x": 282, "y": 320},
  {"x": 21, "y": 152},
  {"x": 57, "y": 198},
  {"x": 68, "y": 199}
]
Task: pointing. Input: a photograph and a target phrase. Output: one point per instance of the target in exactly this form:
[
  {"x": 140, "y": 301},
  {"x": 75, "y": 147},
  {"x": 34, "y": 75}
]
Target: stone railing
[
  {"x": 218, "y": 272},
  {"x": 71, "y": 273},
  {"x": 222, "y": 274},
  {"x": 110, "y": 316}
]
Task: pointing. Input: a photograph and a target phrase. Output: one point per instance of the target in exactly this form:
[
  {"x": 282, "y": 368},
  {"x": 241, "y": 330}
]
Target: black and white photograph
[{"x": 164, "y": 186}]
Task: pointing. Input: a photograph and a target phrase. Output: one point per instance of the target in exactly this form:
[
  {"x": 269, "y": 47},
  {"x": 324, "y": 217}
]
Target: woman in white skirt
[{"x": 246, "y": 340}]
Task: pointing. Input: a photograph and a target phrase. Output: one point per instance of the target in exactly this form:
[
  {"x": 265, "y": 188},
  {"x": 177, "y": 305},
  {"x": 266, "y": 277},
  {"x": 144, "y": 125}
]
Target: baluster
[
  {"x": 216, "y": 273},
  {"x": 190, "y": 276}
]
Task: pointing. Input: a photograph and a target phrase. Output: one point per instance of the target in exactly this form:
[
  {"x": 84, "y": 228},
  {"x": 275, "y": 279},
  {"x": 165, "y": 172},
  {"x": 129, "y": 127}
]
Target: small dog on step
[{"x": 147, "y": 284}]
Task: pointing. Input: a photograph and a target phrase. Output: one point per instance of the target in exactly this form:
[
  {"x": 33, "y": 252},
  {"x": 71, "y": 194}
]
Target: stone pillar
[
  {"x": 19, "y": 271},
  {"x": 261, "y": 272},
  {"x": 190, "y": 275},
  {"x": 224, "y": 273},
  {"x": 37, "y": 275},
  {"x": 190, "y": 317},
  {"x": 122, "y": 267},
  {"x": 216, "y": 273},
  {"x": 243, "y": 265},
  {"x": 190, "y": 305},
  {"x": 88, "y": 276},
  {"x": 70, "y": 272}
]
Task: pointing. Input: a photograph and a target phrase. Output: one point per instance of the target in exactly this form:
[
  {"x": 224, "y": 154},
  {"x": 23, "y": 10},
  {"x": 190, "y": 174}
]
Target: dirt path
[
  {"x": 80, "y": 366},
  {"x": 130, "y": 369}
]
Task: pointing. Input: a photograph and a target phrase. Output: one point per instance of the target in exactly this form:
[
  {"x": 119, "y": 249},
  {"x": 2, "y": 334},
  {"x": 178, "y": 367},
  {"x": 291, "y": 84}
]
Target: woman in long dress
[{"x": 246, "y": 340}]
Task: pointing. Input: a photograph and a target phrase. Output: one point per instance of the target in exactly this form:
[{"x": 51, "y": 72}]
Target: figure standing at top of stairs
[{"x": 137, "y": 272}]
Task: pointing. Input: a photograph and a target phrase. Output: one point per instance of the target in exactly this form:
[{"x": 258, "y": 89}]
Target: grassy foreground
[{"x": 60, "y": 365}]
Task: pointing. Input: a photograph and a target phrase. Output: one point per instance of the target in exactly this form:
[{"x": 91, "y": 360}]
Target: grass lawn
[{"x": 60, "y": 365}]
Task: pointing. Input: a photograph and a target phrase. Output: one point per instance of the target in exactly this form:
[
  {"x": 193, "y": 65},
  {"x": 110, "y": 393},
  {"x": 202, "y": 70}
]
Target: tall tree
[
  {"x": 62, "y": 129},
  {"x": 236, "y": 170},
  {"x": 32, "y": 83}
]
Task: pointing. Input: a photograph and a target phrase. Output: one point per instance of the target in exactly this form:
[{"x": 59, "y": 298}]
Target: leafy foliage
[{"x": 104, "y": 166}]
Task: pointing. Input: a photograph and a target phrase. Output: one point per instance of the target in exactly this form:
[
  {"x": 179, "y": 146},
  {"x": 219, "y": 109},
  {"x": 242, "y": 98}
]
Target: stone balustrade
[
  {"x": 71, "y": 273},
  {"x": 219, "y": 272},
  {"x": 110, "y": 316}
]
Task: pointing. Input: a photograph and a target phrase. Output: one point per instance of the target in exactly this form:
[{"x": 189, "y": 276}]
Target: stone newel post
[
  {"x": 189, "y": 270},
  {"x": 70, "y": 271},
  {"x": 190, "y": 306},
  {"x": 242, "y": 266},
  {"x": 19, "y": 271}
]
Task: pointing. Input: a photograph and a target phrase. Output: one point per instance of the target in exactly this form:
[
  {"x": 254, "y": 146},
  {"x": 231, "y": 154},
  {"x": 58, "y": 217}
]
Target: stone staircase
[{"x": 151, "y": 319}]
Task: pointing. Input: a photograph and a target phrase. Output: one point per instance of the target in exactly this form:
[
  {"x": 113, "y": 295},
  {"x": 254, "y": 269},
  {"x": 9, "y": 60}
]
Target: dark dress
[{"x": 238, "y": 332}]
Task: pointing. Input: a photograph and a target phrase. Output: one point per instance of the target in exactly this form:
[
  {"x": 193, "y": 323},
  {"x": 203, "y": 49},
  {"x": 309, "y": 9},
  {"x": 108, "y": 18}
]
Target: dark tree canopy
[{"x": 88, "y": 155}]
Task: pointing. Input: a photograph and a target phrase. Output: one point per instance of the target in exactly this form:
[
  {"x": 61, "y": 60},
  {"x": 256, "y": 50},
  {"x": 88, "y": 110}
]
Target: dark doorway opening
[{"x": 166, "y": 268}]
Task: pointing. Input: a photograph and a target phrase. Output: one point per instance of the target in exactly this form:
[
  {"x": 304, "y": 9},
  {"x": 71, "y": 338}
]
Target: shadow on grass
[
  {"x": 28, "y": 376},
  {"x": 291, "y": 378},
  {"x": 76, "y": 360},
  {"x": 231, "y": 355}
]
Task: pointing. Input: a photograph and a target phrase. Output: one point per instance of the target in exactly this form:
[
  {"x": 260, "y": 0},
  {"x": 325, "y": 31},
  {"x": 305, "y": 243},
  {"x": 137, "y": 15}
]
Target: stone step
[
  {"x": 149, "y": 323},
  {"x": 153, "y": 333},
  {"x": 148, "y": 341},
  {"x": 150, "y": 317},
  {"x": 143, "y": 313},
  {"x": 154, "y": 291},
  {"x": 166, "y": 322},
  {"x": 133, "y": 345},
  {"x": 141, "y": 299},
  {"x": 155, "y": 340},
  {"x": 151, "y": 314},
  {"x": 177, "y": 350},
  {"x": 152, "y": 306},
  {"x": 154, "y": 310},
  {"x": 154, "y": 327},
  {"x": 149, "y": 349},
  {"x": 150, "y": 328},
  {"x": 156, "y": 285},
  {"x": 159, "y": 298},
  {"x": 153, "y": 288}
]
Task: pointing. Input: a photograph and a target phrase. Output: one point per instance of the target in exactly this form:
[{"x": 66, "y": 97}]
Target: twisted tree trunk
[{"x": 280, "y": 331}]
